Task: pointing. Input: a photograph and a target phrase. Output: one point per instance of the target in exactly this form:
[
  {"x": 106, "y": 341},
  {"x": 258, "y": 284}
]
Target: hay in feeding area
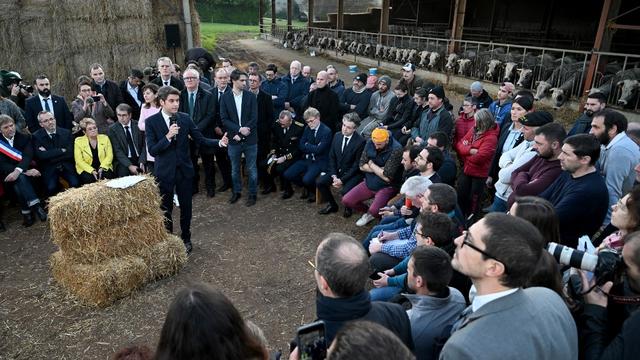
[{"x": 111, "y": 241}]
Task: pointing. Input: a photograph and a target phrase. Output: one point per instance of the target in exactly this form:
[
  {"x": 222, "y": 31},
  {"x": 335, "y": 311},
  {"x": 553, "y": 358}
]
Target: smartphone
[
  {"x": 312, "y": 344},
  {"x": 96, "y": 98}
]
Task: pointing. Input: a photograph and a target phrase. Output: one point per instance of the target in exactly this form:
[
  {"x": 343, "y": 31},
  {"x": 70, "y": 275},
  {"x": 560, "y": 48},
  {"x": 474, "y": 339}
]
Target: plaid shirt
[{"x": 402, "y": 246}]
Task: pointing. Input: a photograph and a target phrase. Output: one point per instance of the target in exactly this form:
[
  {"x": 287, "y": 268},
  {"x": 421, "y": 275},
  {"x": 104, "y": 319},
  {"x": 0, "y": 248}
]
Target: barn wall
[{"x": 62, "y": 38}]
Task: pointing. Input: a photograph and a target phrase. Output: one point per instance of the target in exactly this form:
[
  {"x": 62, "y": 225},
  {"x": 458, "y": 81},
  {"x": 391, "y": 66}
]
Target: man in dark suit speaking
[{"x": 168, "y": 134}]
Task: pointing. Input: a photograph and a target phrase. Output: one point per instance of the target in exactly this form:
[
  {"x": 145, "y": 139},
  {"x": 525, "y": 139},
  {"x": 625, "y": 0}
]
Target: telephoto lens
[{"x": 572, "y": 257}]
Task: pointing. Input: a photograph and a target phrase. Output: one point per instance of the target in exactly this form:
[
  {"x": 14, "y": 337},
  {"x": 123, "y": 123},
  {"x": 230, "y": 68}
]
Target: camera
[
  {"x": 27, "y": 88},
  {"x": 606, "y": 265},
  {"x": 312, "y": 344},
  {"x": 96, "y": 98}
]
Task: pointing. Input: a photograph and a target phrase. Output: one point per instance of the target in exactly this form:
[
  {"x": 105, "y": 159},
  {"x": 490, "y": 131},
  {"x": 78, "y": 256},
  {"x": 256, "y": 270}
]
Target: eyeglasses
[
  {"x": 190, "y": 78},
  {"x": 466, "y": 241}
]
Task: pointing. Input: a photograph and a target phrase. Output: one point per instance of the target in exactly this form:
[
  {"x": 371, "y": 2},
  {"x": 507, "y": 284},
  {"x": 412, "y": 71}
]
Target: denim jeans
[
  {"x": 384, "y": 293},
  {"x": 498, "y": 205},
  {"x": 250, "y": 155},
  {"x": 389, "y": 227}
]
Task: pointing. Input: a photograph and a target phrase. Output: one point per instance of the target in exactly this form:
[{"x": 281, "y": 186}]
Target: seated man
[
  {"x": 343, "y": 172},
  {"x": 341, "y": 273},
  {"x": 16, "y": 153},
  {"x": 127, "y": 143},
  {"x": 579, "y": 195},
  {"x": 284, "y": 152},
  {"x": 499, "y": 253},
  {"x": 431, "y": 229},
  {"x": 314, "y": 145},
  {"x": 435, "y": 306},
  {"x": 53, "y": 147},
  {"x": 380, "y": 161},
  {"x": 357, "y": 97}
]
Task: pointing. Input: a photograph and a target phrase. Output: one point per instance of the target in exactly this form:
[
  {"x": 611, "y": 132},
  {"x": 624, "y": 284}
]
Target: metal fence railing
[{"x": 559, "y": 73}]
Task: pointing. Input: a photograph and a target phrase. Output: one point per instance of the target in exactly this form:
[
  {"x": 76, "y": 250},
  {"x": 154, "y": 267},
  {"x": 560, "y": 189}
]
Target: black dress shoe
[
  {"x": 223, "y": 188},
  {"x": 305, "y": 194},
  {"x": 347, "y": 213},
  {"x": 269, "y": 189},
  {"x": 251, "y": 200},
  {"x": 211, "y": 193},
  {"x": 328, "y": 210},
  {"x": 188, "y": 247},
  {"x": 27, "y": 220},
  {"x": 42, "y": 215},
  {"x": 286, "y": 194},
  {"x": 311, "y": 199},
  {"x": 234, "y": 198},
  {"x": 194, "y": 191}
]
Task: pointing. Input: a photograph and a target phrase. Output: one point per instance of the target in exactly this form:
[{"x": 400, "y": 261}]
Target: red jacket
[
  {"x": 463, "y": 124},
  {"x": 478, "y": 164}
]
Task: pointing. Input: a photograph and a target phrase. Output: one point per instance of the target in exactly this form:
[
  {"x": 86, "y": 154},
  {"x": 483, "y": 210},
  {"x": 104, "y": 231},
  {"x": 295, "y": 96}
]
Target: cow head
[
  {"x": 492, "y": 70},
  {"x": 452, "y": 61},
  {"x": 524, "y": 78},
  {"x": 433, "y": 60},
  {"x": 509, "y": 71},
  {"x": 542, "y": 88},
  {"x": 424, "y": 58},
  {"x": 558, "y": 97},
  {"x": 628, "y": 92},
  {"x": 464, "y": 66}
]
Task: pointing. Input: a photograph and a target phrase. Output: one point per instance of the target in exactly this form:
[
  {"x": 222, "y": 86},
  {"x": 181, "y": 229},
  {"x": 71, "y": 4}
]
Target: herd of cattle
[{"x": 560, "y": 76}]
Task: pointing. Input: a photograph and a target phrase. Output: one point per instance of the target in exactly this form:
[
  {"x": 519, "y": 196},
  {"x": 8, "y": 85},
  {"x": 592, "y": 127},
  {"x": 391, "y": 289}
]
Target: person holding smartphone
[{"x": 89, "y": 104}]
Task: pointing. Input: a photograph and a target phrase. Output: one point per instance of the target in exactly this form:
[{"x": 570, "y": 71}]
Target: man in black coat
[
  {"x": 344, "y": 171},
  {"x": 165, "y": 67},
  {"x": 44, "y": 100},
  {"x": 284, "y": 151},
  {"x": 131, "y": 90},
  {"x": 222, "y": 157},
  {"x": 325, "y": 100},
  {"x": 265, "y": 121},
  {"x": 16, "y": 153},
  {"x": 127, "y": 143},
  {"x": 53, "y": 148},
  {"x": 107, "y": 88},
  {"x": 198, "y": 103}
]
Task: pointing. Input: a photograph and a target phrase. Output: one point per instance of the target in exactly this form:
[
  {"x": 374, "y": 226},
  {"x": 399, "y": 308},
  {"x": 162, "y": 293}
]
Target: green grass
[{"x": 209, "y": 32}]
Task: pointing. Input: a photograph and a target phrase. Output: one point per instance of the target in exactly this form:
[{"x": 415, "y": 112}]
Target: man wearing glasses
[
  {"x": 499, "y": 253},
  {"x": 198, "y": 103}
]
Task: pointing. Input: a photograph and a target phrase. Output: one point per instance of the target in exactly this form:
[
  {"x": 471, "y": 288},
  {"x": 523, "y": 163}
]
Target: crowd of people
[{"x": 465, "y": 205}]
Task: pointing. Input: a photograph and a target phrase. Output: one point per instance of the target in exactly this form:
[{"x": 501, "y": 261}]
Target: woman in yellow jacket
[{"x": 93, "y": 154}]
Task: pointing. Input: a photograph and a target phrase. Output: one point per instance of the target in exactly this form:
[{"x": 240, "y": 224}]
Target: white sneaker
[
  {"x": 364, "y": 219},
  {"x": 175, "y": 200}
]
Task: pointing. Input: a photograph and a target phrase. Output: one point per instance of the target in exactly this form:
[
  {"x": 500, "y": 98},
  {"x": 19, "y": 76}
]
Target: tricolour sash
[{"x": 10, "y": 151}]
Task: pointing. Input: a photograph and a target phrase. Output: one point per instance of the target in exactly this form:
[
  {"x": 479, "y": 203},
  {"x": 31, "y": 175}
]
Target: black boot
[
  {"x": 287, "y": 190},
  {"x": 27, "y": 220},
  {"x": 39, "y": 211}
]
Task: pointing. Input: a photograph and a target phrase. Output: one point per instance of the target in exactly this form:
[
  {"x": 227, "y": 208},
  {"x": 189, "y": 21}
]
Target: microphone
[{"x": 173, "y": 120}]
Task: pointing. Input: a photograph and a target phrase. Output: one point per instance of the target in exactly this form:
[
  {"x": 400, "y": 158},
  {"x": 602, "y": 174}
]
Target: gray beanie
[
  {"x": 476, "y": 86},
  {"x": 386, "y": 79}
]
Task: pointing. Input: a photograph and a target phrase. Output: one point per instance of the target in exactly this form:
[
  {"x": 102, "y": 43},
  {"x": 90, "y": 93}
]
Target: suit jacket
[
  {"x": 216, "y": 103},
  {"x": 173, "y": 155},
  {"x": 33, "y": 106},
  {"x": 318, "y": 145},
  {"x": 83, "y": 156},
  {"x": 111, "y": 93},
  {"x": 345, "y": 165},
  {"x": 128, "y": 99},
  {"x": 533, "y": 323},
  {"x": 53, "y": 155},
  {"x": 229, "y": 116},
  {"x": 287, "y": 144},
  {"x": 120, "y": 146},
  {"x": 174, "y": 81},
  {"x": 22, "y": 143},
  {"x": 265, "y": 118},
  {"x": 204, "y": 113}
]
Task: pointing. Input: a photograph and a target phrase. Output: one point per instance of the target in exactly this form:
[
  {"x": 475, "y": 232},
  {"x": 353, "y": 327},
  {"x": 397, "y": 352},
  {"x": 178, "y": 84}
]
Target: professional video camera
[{"x": 607, "y": 265}]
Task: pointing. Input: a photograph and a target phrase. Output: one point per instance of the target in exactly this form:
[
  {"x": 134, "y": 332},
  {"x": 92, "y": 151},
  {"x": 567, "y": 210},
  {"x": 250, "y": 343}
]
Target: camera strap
[{"x": 627, "y": 300}]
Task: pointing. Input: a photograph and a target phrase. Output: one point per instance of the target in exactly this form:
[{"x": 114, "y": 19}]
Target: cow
[
  {"x": 412, "y": 55},
  {"x": 391, "y": 55},
  {"x": 341, "y": 46},
  {"x": 435, "y": 60},
  {"x": 379, "y": 52},
  {"x": 352, "y": 47},
  {"x": 464, "y": 67},
  {"x": 424, "y": 58},
  {"x": 312, "y": 40},
  {"x": 452, "y": 63},
  {"x": 629, "y": 92},
  {"x": 398, "y": 55},
  {"x": 561, "y": 94},
  {"x": 368, "y": 48},
  {"x": 524, "y": 78},
  {"x": 360, "y": 49},
  {"x": 493, "y": 69},
  {"x": 510, "y": 69},
  {"x": 542, "y": 88}
]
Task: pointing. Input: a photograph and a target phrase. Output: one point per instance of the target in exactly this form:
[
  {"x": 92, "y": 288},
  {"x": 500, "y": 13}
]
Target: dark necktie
[
  {"x": 192, "y": 104},
  {"x": 166, "y": 83},
  {"x": 46, "y": 105},
  {"x": 53, "y": 139},
  {"x": 132, "y": 148},
  {"x": 219, "y": 94},
  {"x": 345, "y": 143}
]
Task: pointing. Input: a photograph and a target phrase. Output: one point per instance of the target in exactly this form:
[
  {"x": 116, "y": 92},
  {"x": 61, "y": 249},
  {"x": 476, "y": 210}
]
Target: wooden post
[
  {"x": 261, "y": 14},
  {"x": 310, "y": 15},
  {"x": 591, "y": 71},
  {"x": 340, "y": 18},
  {"x": 289, "y": 13},
  {"x": 384, "y": 22},
  {"x": 273, "y": 17},
  {"x": 457, "y": 24}
]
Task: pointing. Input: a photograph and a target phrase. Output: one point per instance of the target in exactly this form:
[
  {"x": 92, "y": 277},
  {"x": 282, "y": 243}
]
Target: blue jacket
[
  {"x": 277, "y": 88},
  {"x": 296, "y": 91},
  {"x": 316, "y": 148},
  {"x": 500, "y": 112}
]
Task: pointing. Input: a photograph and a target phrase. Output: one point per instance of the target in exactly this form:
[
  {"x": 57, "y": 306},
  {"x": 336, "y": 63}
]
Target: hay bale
[
  {"x": 100, "y": 284},
  {"x": 165, "y": 258},
  {"x": 84, "y": 245}
]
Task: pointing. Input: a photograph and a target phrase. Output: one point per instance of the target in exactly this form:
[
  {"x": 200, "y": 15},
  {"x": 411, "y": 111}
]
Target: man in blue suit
[
  {"x": 168, "y": 134},
  {"x": 239, "y": 114},
  {"x": 54, "y": 104},
  {"x": 315, "y": 144}
]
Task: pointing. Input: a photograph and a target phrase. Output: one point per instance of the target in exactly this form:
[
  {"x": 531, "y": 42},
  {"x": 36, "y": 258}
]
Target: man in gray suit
[
  {"x": 499, "y": 253},
  {"x": 128, "y": 146}
]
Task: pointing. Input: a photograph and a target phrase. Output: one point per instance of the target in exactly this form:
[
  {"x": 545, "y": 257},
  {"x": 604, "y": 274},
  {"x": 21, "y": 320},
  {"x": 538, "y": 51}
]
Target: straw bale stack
[{"x": 111, "y": 241}]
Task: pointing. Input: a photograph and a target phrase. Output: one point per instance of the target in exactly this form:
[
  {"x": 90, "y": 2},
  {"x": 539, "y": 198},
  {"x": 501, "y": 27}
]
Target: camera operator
[
  {"x": 611, "y": 328},
  {"x": 90, "y": 104},
  {"x": 19, "y": 92},
  {"x": 7, "y": 106}
]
